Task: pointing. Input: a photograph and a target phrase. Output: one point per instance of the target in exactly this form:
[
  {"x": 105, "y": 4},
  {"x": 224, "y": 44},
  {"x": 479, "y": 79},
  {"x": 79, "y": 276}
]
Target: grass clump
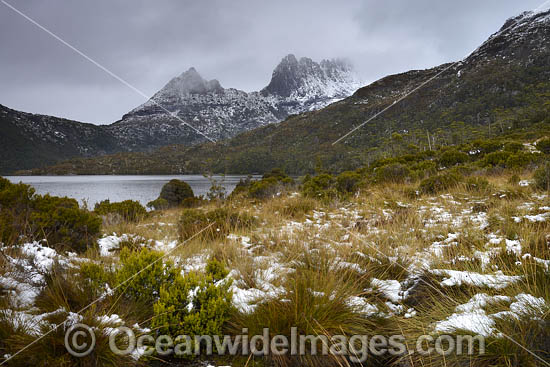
[
  {"x": 127, "y": 210},
  {"x": 438, "y": 183},
  {"x": 222, "y": 222}
]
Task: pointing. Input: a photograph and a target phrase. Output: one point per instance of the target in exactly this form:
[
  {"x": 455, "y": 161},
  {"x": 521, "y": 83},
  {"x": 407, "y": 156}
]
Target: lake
[{"x": 93, "y": 189}]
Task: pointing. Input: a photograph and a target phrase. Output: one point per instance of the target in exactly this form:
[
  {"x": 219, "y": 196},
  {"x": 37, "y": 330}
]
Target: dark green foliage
[
  {"x": 128, "y": 210},
  {"x": 63, "y": 223},
  {"x": 218, "y": 223},
  {"x": 59, "y": 220},
  {"x": 495, "y": 159},
  {"x": 543, "y": 145},
  {"x": 542, "y": 177},
  {"x": 320, "y": 187},
  {"x": 513, "y": 147},
  {"x": 392, "y": 173},
  {"x": 477, "y": 184},
  {"x": 438, "y": 183},
  {"x": 177, "y": 193},
  {"x": 158, "y": 204},
  {"x": 15, "y": 207},
  {"x": 144, "y": 286},
  {"x": 270, "y": 184},
  {"x": 452, "y": 157},
  {"x": 194, "y": 304},
  {"x": 486, "y": 146},
  {"x": 348, "y": 182},
  {"x": 519, "y": 160}
]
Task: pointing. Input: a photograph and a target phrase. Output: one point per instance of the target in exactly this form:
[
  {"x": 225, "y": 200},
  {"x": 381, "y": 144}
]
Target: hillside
[
  {"x": 501, "y": 87},
  {"x": 29, "y": 140}
]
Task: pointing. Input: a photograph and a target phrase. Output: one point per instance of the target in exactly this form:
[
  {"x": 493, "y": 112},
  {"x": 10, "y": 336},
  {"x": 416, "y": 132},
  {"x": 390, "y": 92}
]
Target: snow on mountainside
[{"x": 296, "y": 86}]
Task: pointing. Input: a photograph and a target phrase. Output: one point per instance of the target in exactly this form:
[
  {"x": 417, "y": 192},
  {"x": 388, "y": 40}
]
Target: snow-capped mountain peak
[
  {"x": 307, "y": 78},
  {"x": 297, "y": 85}
]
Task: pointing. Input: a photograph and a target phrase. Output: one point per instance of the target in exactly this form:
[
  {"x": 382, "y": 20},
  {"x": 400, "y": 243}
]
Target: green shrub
[
  {"x": 128, "y": 210},
  {"x": 321, "y": 187},
  {"x": 242, "y": 187},
  {"x": 348, "y": 182},
  {"x": 438, "y": 183},
  {"x": 264, "y": 188},
  {"x": 95, "y": 278},
  {"x": 513, "y": 147},
  {"x": 158, "y": 204},
  {"x": 452, "y": 157},
  {"x": 58, "y": 220},
  {"x": 486, "y": 146},
  {"x": 476, "y": 184},
  {"x": 518, "y": 160},
  {"x": 15, "y": 207},
  {"x": 144, "y": 285},
  {"x": 177, "y": 193},
  {"x": 63, "y": 224},
  {"x": 194, "y": 304},
  {"x": 394, "y": 173},
  {"x": 424, "y": 169},
  {"x": 223, "y": 220},
  {"x": 542, "y": 177},
  {"x": 270, "y": 184},
  {"x": 543, "y": 145},
  {"x": 495, "y": 159}
]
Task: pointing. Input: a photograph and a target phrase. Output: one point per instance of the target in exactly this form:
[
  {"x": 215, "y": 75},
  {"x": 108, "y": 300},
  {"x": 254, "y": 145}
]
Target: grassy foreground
[{"x": 387, "y": 260}]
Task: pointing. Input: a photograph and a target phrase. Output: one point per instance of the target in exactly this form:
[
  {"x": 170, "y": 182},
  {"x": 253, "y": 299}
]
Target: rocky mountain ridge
[{"x": 296, "y": 86}]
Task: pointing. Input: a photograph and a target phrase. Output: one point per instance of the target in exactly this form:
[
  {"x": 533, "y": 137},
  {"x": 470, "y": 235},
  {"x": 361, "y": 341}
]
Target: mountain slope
[
  {"x": 296, "y": 86},
  {"x": 30, "y": 140},
  {"x": 503, "y": 86}
]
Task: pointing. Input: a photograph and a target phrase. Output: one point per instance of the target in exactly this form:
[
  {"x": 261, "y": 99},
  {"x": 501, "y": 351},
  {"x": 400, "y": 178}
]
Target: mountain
[
  {"x": 30, "y": 140},
  {"x": 502, "y": 87},
  {"x": 219, "y": 113}
]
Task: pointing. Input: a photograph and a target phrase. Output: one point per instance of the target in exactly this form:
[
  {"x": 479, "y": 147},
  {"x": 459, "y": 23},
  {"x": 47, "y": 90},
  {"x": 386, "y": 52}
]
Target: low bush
[
  {"x": 194, "y": 304},
  {"x": 322, "y": 187},
  {"x": 476, "y": 184},
  {"x": 158, "y": 204},
  {"x": 63, "y": 224},
  {"x": 518, "y": 160},
  {"x": 58, "y": 220},
  {"x": 438, "y": 183},
  {"x": 223, "y": 221},
  {"x": 271, "y": 184},
  {"x": 392, "y": 173},
  {"x": 144, "y": 285},
  {"x": 348, "y": 182},
  {"x": 543, "y": 145},
  {"x": 495, "y": 159},
  {"x": 452, "y": 157},
  {"x": 513, "y": 146},
  {"x": 177, "y": 193},
  {"x": 128, "y": 210},
  {"x": 542, "y": 177}
]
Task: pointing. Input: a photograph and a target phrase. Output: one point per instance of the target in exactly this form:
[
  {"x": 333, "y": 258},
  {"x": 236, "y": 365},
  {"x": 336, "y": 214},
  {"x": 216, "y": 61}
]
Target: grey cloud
[{"x": 236, "y": 42}]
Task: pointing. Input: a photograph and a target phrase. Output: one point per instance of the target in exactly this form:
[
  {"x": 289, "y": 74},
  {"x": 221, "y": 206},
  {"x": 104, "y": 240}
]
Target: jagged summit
[
  {"x": 296, "y": 86},
  {"x": 307, "y": 78}
]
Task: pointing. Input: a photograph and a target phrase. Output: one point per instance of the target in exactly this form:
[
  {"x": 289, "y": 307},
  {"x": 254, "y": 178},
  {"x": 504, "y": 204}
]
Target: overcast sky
[{"x": 238, "y": 42}]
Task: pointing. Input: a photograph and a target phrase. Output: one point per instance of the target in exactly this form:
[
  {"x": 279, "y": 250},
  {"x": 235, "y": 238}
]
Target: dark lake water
[{"x": 93, "y": 189}]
